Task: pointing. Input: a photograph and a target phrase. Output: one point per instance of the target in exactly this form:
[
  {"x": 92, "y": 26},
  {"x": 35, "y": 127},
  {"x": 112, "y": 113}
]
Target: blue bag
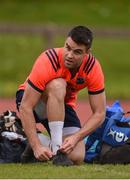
[{"x": 114, "y": 131}]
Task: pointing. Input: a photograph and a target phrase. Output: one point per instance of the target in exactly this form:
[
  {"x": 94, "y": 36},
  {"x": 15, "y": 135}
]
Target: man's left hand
[{"x": 69, "y": 144}]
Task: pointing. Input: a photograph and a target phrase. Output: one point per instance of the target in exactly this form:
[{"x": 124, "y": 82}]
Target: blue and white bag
[{"x": 114, "y": 131}]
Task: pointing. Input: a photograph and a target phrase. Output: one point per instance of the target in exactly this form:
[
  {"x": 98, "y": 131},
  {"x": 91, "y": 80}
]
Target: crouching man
[{"x": 49, "y": 95}]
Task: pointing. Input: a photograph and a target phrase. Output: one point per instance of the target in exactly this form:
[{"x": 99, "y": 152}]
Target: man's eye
[
  {"x": 68, "y": 48},
  {"x": 78, "y": 52}
]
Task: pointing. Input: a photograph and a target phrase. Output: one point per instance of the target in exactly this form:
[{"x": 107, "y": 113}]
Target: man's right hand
[{"x": 42, "y": 153}]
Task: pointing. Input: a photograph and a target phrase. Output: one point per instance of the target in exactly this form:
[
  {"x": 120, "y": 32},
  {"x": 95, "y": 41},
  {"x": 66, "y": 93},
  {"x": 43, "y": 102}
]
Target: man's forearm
[
  {"x": 92, "y": 123},
  {"x": 29, "y": 126}
]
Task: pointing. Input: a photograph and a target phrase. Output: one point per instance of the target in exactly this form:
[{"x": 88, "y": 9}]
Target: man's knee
[
  {"x": 56, "y": 88},
  {"x": 78, "y": 154},
  {"x": 77, "y": 158}
]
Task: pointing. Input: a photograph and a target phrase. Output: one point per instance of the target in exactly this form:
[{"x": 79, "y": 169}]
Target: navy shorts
[{"x": 71, "y": 118}]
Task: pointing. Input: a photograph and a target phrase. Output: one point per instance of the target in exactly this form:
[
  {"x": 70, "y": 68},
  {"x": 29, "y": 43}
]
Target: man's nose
[{"x": 70, "y": 54}]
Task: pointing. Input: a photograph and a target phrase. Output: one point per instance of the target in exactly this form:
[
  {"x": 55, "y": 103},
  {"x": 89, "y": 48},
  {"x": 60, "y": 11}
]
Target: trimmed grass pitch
[{"x": 49, "y": 171}]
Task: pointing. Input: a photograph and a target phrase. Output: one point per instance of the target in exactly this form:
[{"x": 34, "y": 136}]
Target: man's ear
[{"x": 88, "y": 50}]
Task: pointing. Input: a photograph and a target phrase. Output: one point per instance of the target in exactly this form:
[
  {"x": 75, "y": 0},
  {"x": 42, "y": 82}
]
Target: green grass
[
  {"x": 46, "y": 170},
  {"x": 93, "y": 13},
  {"x": 18, "y": 53}
]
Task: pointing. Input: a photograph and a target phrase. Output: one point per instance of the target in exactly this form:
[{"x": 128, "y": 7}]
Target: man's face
[{"x": 73, "y": 53}]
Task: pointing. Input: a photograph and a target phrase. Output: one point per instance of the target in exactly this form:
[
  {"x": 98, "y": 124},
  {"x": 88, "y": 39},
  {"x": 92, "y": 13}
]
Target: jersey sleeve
[
  {"x": 42, "y": 72},
  {"x": 95, "y": 79}
]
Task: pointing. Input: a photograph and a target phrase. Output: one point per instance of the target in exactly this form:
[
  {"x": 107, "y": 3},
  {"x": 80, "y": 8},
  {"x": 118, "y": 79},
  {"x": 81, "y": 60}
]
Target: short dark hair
[{"x": 81, "y": 35}]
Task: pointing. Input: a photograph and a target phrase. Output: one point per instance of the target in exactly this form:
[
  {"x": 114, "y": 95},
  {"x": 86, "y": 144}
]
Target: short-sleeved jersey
[{"x": 50, "y": 65}]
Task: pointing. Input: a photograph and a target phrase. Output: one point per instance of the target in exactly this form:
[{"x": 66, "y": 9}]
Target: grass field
[{"x": 48, "y": 171}]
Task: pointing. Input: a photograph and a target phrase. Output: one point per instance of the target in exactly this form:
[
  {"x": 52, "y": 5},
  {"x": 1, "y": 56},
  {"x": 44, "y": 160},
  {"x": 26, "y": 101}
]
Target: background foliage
[
  {"x": 95, "y": 13},
  {"x": 19, "y": 51}
]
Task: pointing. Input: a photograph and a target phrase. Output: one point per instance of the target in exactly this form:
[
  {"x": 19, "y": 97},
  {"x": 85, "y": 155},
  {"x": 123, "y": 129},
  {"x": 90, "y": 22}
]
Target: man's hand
[
  {"x": 43, "y": 153},
  {"x": 69, "y": 144}
]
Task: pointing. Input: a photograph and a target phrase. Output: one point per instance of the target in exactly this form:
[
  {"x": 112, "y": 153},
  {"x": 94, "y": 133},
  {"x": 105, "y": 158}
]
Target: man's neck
[{"x": 73, "y": 72}]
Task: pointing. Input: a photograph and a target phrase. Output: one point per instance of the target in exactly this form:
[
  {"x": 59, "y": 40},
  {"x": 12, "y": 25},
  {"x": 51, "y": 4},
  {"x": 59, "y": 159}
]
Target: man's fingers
[
  {"x": 48, "y": 155},
  {"x": 45, "y": 155},
  {"x": 65, "y": 144},
  {"x": 42, "y": 157},
  {"x": 66, "y": 148}
]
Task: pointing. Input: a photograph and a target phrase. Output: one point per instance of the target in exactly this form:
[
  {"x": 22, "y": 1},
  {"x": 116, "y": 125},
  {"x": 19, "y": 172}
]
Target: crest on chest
[{"x": 80, "y": 80}]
